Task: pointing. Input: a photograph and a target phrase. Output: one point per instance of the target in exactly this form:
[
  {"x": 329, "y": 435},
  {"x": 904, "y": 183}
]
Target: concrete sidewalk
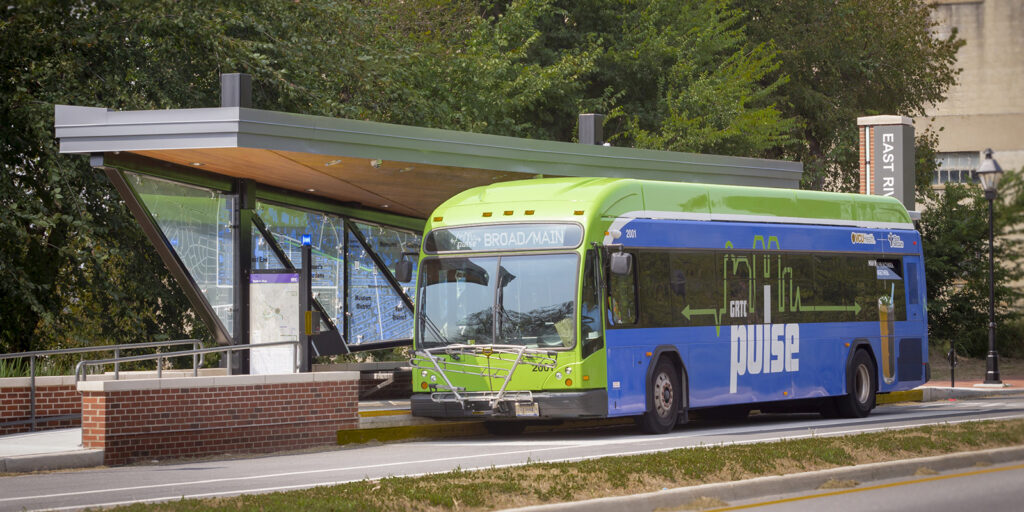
[{"x": 47, "y": 449}]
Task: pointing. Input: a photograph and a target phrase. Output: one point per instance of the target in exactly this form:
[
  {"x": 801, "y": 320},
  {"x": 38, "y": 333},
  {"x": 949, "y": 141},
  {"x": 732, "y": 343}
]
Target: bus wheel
[
  {"x": 505, "y": 428},
  {"x": 663, "y": 400},
  {"x": 861, "y": 386}
]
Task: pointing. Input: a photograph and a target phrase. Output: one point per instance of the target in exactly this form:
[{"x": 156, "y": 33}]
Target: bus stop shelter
[{"x": 226, "y": 194}]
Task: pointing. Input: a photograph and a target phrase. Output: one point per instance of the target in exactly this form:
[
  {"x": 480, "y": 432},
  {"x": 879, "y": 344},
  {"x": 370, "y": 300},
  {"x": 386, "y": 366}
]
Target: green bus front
[{"x": 499, "y": 332}]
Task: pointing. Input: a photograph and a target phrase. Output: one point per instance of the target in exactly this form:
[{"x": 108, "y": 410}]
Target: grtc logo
[{"x": 763, "y": 348}]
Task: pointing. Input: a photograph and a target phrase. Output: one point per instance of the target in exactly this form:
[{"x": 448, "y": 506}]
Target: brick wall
[
  {"x": 173, "y": 418},
  {"x": 55, "y": 396}
]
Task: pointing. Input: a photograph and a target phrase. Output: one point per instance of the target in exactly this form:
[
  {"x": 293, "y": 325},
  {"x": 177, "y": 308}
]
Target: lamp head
[{"x": 989, "y": 172}]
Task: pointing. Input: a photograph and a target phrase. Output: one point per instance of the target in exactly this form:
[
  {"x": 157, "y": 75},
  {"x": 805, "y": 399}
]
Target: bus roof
[{"x": 611, "y": 198}]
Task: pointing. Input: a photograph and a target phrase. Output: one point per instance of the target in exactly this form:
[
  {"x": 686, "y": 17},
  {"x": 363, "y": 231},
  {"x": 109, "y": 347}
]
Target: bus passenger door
[
  {"x": 626, "y": 372},
  {"x": 913, "y": 345}
]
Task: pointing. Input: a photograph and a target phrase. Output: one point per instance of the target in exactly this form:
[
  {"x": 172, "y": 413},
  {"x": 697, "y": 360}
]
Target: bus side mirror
[
  {"x": 621, "y": 263},
  {"x": 403, "y": 271}
]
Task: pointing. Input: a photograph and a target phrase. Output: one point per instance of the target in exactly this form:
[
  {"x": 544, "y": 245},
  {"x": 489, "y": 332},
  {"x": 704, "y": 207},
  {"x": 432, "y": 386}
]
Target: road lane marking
[
  {"x": 869, "y": 488},
  {"x": 812, "y": 433}
]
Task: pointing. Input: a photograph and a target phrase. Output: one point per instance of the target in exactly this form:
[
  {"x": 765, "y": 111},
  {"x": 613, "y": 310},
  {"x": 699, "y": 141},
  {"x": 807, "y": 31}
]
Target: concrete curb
[
  {"x": 46, "y": 461},
  {"x": 775, "y": 485},
  {"x": 424, "y": 428},
  {"x": 931, "y": 394}
]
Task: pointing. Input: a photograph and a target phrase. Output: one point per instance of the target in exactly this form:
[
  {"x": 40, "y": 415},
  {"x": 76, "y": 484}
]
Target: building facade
[{"x": 986, "y": 108}]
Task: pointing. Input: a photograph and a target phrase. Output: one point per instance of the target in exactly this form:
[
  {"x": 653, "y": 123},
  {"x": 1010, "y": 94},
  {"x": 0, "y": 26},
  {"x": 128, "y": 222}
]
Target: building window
[{"x": 956, "y": 167}]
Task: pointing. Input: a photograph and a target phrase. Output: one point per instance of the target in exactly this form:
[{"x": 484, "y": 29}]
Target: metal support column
[
  {"x": 241, "y": 224},
  {"x": 309, "y": 319}
]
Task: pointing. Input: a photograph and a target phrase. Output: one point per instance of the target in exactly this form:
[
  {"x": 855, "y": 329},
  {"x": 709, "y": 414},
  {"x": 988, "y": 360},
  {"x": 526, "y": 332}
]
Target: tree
[
  {"x": 845, "y": 59},
  {"x": 675, "y": 75},
  {"x": 954, "y": 234},
  {"x": 74, "y": 268}
]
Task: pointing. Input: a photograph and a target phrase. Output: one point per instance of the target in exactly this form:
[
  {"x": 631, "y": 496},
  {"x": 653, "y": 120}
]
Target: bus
[{"x": 559, "y": 298}]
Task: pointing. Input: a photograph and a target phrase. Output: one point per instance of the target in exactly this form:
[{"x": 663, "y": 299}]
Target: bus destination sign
[{"x": 505, "y": 237}]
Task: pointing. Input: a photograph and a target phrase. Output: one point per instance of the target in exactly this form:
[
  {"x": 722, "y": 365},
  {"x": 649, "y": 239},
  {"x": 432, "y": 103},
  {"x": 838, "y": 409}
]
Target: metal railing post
[
  {"x": 159, "y": 366},
  {"x": 32, "y": 392},
  {"x": 195, "y": 361},
  {"x": 117, "y": 366},
  {"x": 229, "y": 362}
]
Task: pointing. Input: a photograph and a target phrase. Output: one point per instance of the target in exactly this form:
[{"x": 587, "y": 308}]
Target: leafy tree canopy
[
  {"x": 741, "y": 77},
  {"x": 845, "y": 59}
]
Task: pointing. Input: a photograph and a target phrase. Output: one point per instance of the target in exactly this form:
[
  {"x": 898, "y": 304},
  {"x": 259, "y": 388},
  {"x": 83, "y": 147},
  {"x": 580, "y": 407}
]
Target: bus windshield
[{"x": 508, "y": 300}]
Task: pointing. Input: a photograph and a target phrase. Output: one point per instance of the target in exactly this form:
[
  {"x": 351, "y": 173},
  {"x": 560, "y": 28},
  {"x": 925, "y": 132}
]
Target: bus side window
[
  {"x": 590, "y": 307},
  {"x": 622, "y": 297}
]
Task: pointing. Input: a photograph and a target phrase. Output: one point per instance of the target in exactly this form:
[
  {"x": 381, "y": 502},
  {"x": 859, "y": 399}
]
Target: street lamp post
[{"x": 989, "y": 173}]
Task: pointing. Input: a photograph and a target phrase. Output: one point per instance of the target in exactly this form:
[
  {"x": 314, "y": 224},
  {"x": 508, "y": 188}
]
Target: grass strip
[{"x": 538, "y": 483}]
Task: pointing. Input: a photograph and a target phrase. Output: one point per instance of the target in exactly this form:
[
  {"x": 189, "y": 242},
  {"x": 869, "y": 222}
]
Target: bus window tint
[
  {"x": 738, "y": 272},
  {"x": 697, "y": 284},
  {"x": 658, "y": 305},
  {"x": 622, "y": 297},
  {"x": 834, "y": 288},
  {"x": 590, "y": 308}
]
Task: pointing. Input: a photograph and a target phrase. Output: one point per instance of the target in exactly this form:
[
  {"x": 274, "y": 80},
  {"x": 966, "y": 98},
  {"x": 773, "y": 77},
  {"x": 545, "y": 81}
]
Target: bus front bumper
[{"x": 576, "y": 404}]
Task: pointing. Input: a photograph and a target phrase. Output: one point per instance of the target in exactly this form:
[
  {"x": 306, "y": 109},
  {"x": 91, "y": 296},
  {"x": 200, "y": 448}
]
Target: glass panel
[
  {"x": 622, "y": 297},
  {"x": 590, "y": 308},
  {"x": 377, "y": 311},
  {"x": 659, "y": 306},
  {"x": 696, "y": 282},
  {"x": 957, "y": 167},
  {"x": 263, "y": 256},
  {"x": 196, "y": 221},
  {"x": 536, "y": 300},
  {"x": 390, "y": 244},
  {"x": 456, "y": 301},
  {"x": 327, "y": 233}
]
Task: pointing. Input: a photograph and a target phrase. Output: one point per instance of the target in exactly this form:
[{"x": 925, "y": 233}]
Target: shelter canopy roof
[{"x": 402, "y": 170}]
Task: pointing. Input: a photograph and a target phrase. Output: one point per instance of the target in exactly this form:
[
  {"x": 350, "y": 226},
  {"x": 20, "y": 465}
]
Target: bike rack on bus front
[{"x": 499, "y": 353}]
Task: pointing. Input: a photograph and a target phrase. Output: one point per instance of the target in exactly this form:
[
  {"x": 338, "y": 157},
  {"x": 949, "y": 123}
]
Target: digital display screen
[{"x": 505, "y": 237}]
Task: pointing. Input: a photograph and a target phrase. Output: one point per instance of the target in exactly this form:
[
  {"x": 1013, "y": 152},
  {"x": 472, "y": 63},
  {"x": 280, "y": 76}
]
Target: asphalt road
[
  {"x": 986, "y": 488},
  {"x": 108, "y": 487}
]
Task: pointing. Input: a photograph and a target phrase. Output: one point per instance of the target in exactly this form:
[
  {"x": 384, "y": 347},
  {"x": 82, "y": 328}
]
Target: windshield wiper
[{"x": 436, "y": 331}]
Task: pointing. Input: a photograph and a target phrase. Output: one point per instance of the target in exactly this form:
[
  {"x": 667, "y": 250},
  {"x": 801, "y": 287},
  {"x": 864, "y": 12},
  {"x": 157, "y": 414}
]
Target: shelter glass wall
[
  {"x": 377, "y": 311},
  {"x": 196, "y": 222},
  {"x": 355, "y": 294}
]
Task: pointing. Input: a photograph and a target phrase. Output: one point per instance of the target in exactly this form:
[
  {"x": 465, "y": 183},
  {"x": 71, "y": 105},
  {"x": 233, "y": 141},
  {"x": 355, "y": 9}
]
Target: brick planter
[
  {"x": 172, "y": 418},
  {"x": 55, "y": 396}
]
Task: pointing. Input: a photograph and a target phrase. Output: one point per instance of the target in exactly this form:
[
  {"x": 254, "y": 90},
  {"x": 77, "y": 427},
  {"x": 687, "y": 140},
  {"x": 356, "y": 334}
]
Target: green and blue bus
[{"x": 564, "y": 298}]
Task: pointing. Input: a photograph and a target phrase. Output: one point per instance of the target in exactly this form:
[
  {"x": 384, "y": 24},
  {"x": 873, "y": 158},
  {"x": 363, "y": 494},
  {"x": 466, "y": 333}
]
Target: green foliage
[
  {"x": 672, "y": 74},
  {"x": 845, "y": 59},
  {"x": 742, "y": 77},
  {"x": 954, "y": 233},
  {"x": 75, "y": 269}
]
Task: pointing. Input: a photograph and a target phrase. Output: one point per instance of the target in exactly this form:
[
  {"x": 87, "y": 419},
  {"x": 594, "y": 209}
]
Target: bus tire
[
  {"x": 663, "y": 399},
  {"x": 505, "y": 428},
  {"x": 861, "y": 386}
]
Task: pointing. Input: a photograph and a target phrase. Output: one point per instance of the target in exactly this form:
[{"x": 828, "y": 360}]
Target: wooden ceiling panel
[{"x": 277, "y": 170}]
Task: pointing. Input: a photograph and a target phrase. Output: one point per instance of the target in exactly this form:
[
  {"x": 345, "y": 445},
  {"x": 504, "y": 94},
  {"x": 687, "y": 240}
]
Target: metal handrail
[
  {"x": 101, "y": 348},
  {"x": 82, "y": 365}
]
